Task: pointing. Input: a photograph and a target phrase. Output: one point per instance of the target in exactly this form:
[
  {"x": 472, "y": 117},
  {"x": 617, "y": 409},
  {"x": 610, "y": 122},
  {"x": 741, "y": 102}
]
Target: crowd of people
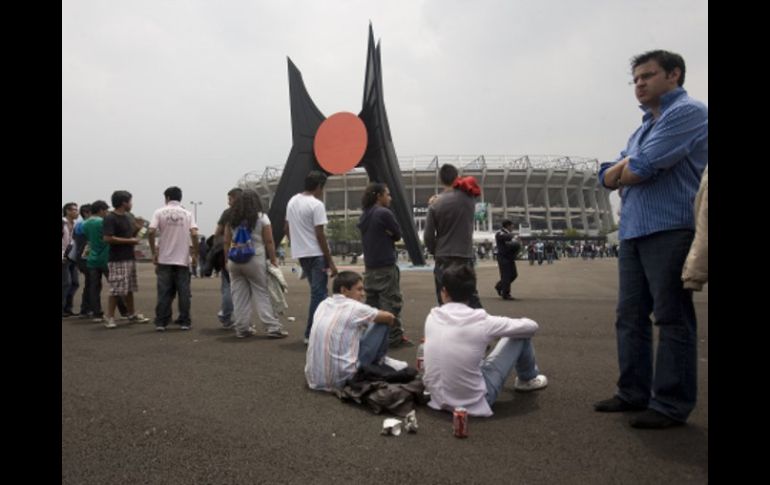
[{"x": 348, "y": 334}]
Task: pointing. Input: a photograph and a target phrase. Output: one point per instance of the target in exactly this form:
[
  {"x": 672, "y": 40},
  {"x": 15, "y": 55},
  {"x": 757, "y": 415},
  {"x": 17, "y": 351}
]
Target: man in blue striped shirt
[{"x": 658, "y": 176}]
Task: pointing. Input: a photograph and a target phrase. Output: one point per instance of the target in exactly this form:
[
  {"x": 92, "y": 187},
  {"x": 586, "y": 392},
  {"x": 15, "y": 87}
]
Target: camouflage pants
[{"x": 383, "y": 291}]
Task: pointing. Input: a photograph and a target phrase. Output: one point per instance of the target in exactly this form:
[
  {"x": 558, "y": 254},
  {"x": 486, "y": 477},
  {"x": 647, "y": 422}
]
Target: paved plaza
[{"x": 201, "y": 406}]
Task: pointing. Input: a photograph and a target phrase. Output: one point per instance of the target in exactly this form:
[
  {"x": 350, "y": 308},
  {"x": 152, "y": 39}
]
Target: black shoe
[
  {"x": 66, "y": 314},
  {"x": 616, "y": 405},
  {"x": 651, "y": 419},
  {"x": 507, "y": 297},
  {"x": 400, "y": 341},
  {"x": 498, "y": 289}
]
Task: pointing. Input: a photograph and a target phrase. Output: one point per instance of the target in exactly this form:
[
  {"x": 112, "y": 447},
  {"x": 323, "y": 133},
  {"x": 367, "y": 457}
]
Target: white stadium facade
[{"x": 547, "y": 194}]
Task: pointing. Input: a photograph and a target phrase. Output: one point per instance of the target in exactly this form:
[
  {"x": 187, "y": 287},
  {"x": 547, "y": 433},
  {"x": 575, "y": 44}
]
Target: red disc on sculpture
[{"x": 340, "y": 142}]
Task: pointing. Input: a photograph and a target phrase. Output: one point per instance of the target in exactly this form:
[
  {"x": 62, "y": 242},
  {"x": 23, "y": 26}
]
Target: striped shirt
[
  {"x": 669, "y": 154},
  {"x": 332, "y": 353}
]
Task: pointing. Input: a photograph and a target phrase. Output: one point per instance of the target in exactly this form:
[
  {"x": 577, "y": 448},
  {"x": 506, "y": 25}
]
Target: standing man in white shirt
[
  {"x": 305, "y": 220},
  {"x": 177, "y": 228},
  {"x": 456, "y": 336}
]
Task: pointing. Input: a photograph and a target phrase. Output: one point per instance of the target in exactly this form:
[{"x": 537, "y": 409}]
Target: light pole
[{"x": 195, "y": 209}]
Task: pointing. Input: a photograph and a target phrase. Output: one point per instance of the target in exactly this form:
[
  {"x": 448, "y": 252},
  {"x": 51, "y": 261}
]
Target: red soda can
[{"x": 460, "y": 422}]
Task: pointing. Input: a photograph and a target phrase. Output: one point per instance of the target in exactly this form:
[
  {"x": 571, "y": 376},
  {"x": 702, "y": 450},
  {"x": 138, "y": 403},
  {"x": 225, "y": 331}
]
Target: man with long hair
[{"x": 379, "y": 232}]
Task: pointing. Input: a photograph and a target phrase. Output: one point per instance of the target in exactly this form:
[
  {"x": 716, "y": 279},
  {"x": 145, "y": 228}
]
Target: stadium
[{"x": 540, "y": 193}]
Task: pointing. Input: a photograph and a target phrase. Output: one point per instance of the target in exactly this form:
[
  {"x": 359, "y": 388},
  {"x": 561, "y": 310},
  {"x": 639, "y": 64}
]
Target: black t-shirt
[{"x": 119, "y": 226}]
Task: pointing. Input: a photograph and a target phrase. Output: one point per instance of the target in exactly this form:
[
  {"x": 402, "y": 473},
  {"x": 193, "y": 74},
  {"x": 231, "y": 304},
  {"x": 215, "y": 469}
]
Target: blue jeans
[
  {"x": 314, "y": 269},
  {"x": 73, "y": 287},
  {"x": 173, "y": 281},
  {"x": 225, "y": 314},
  {"x": 85, "y": 302},
  {"x": 650, "y": 282},
  {"x": 373, "y": 344},
  {"x": 66, "y": 281},
  {"x": 507, "y": 354}
]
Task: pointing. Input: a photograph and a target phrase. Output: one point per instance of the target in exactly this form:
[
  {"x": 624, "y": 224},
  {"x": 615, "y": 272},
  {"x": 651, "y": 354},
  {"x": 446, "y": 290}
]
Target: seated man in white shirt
[
  {"x": 456, "y": 336},
  {"x": 346, "y": 335}
]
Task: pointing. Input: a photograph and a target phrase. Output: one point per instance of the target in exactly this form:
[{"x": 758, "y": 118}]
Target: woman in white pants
[{"x": 248, "y": 280}]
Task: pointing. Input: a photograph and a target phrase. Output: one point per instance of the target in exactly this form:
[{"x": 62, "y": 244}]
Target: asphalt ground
[{"x": 201, "y": 406}]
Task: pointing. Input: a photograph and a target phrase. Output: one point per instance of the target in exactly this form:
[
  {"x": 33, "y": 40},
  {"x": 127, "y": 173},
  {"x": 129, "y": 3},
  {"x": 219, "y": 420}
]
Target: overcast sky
[{"x": 194, "y": 93}]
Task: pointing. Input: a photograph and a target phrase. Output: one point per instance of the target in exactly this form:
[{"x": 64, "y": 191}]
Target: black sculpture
[{"x": 380, "y": 159}]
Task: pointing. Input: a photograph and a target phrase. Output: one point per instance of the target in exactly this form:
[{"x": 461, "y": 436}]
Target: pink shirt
[{"x": 174, "y": 224}]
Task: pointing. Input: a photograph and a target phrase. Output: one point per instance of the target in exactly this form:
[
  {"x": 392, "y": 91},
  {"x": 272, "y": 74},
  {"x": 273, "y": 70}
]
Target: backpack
[{"x": 243, "y": 249}]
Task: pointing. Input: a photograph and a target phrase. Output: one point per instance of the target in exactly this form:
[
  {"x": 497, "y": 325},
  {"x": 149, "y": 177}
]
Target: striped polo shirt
[{"x": 332, "y": 352}]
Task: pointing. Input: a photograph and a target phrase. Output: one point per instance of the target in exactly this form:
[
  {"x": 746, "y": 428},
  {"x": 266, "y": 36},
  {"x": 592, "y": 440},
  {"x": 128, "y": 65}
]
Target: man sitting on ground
[
  {"x": 346, "y": 335},
  {"x": 456, "y": 336}
]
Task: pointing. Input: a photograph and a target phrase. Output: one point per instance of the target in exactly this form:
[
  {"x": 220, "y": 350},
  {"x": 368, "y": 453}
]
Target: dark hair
[
  {"x": 119, "y": 197},
  {"x": 173, "y": 193},
  {"x": 246, "y": 207},
  {"x": 507, "y": 222},
  {"x": 99, "y": 206},
  {"x": 66, "y": 208},
  {"x": 235, "y": 191},
  {"x": 345, "y": 279},
  {"x": 372, "y": 191},
  {"x": 447, "y": 173},
  {"x": 313, "y": 179},
  {"x": 85, "y": 210},
  {"x": 667, "y": 60},
  {"x": 459, "y": 281}
]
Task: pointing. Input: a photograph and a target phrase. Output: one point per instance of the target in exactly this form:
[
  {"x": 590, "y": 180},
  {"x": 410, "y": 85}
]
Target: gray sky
[{"x": 194, "y": 93}]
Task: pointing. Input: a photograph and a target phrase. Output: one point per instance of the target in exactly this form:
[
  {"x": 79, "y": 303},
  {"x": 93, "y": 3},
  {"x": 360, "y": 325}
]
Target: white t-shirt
[
  {"x": 173, "y": 223},
  {"x": 456, "y": 338},
  {"x": 304, "y": 213},
  {"x": 332, "y": 352}
]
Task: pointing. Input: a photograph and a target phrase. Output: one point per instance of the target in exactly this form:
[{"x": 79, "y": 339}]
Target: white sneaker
[
  {"x": 110, "y": 323},
  {"x": 394, "y": 363},
  {"x": 138, "y": 318},
  {"x": 538, "y": 382}
]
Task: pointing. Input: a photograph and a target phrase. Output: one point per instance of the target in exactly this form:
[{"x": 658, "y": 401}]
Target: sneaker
[
  {"x": 227, "y": 325},
  {"x": 85, "y": 316},
  {"x": 394, "y": 364},
  {"x": 248, "y": 333},
  {"x": 184, "y": 327},
  {"x": 138, "y": 318},
  {"x": 160, "y": 328},
  {"x": 66, "y": 314},
  {"x": 277, "y": 333},
  {"x": 616, "y": 405},
  {"x": 110, "y": 323},
  {"x": 98, "y": 319},
  {"x": 651, "y": 419},
  {"x": 538, "y": 382}
]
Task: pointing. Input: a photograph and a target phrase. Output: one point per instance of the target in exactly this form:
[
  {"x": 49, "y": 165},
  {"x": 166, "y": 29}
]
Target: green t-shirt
[{"x": 99, "y": 250}]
